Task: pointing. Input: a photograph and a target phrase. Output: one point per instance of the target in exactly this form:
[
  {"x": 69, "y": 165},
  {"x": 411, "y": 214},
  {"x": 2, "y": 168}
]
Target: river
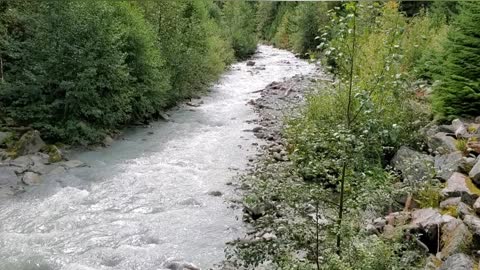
[{"x": 145, "y": 199}]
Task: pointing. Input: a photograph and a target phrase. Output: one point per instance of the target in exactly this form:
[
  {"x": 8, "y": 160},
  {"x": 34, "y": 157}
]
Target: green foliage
[
  {"x": 458, "y": 91},
  {"x": 240, "y": 27},
  {"x": 77, "y": 70}
]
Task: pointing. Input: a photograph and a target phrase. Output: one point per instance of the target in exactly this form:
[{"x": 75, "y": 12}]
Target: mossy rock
[
  {"x": 55, "y": 155},
  {"x": 29, "y": 143}
]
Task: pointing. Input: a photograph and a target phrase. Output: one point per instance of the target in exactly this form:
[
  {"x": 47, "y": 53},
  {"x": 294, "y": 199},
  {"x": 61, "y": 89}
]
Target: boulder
[
  {"x": 459, "y": 185},
  {"x": 455, "y": 238},
  {"x": 447, "y": 164},
  {"x": 455, "y": 207},
  {"x": 428, "y": 219},
  {"x": 29, "y": 143},
  {"x": 413, "y": 165},
  {"x": 475, "y": 172},
  {"x": 31, "y": 178},
  {"x": 460, "y": 129},
  {"x": 54, "y": 154},
  {"x": 8, "y": 177},
  {"x": 466, "y": 164},
  {"x": 441, "y": 143},
  {"x": 72, "y": 164},
  {"x": 457, "y": 261},
  {"x": 107, "y": 141}
]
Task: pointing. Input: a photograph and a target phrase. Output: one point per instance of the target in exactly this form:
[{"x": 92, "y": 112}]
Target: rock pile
[{"x": 450, "y": 231}]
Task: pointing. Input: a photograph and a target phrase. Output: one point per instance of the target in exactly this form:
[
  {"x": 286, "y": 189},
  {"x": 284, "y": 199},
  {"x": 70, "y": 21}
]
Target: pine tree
[{"x": 458, "y": 91}]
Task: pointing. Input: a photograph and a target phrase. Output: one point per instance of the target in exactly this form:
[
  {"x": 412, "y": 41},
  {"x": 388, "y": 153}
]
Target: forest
[{"x": 391, "y": 138}]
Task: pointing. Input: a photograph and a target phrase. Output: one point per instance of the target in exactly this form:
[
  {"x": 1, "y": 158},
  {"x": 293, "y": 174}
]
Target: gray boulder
[
  {"x": 456, "y": 238},
  {"x": 8, "y": 177},
  {"x": 475, "y": 172},
  {"x": 446, "y": 165},
  {"x": 29, "y": 143},
  {"x": 458, "y": 261},
  {"x": 459, "y": 185},
  {"x": 31, "y": 178},
  {"x": 441, "y": 143},
  {"x": 460, "y": 129},
  {"x": 413, "y": 165}
]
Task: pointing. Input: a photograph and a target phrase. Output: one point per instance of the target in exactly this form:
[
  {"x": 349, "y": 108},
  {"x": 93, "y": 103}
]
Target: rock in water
[
  {"x": 107, "y": 141},
  {"x": 250, "y": 63},
  {"x": 31, "y": 178},
  {"x": 179, "y": 265},
  {"x": 29, "y": 143},
  {"x": 415, "y": 166},
  {"x": 458, "y": 261}
]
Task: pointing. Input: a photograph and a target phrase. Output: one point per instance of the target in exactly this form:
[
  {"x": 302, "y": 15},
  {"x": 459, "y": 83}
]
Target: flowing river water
[{"x": 145, "y": 200}]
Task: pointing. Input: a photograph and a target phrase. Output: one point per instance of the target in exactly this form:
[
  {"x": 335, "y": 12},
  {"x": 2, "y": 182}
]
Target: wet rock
[
  {"x": 164, "y": 116},
  {"x": 446, "y": 165},
  {"x": 250, "y": 63},
  {"x": 257, "y": 129},
  {"x": 215, "y": 193},
  {"x": 459, "y": 185},
  {"x": 455, "y": 238},
  {"x": 29, "y": 143},
  {"x": 413, "y": 165},
  {"x": 179, "y": 265},
  {"x": 475, "y": 172},
  {"x": 107, "y": 141},
  {"x": 190, "y": 202},
  {"x": 31, "y": 178},
  {"x": 72, "y": 164},
  {"x": 441, "y": 143},
  {"x": 8, "y": 177},
  {"x": 55, "y": 155},
  {"x": 457, "y": 261},
  {"x": 191, "y": 104}
]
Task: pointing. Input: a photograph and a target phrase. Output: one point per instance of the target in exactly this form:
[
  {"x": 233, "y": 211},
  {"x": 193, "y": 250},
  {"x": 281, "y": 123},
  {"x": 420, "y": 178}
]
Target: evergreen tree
[{"x": 458, "y": 91}]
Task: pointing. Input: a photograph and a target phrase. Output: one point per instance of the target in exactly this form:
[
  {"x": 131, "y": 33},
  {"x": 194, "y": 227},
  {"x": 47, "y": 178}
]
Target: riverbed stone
[
  {"x": 442, "y": 143},
  {"x": 413, "y": 165},
  {"x": 457, "y": 261},
  {"x": 475, "y": 172},
  {"x": 31, "y": 178},
  {"x": 70, "y": 164},
  {"x": 459, "y": 185},
  {"x": 8, "y": 177},
  {"x": 29, "y": 143},
  {"x": 446, "y": 165},
  {"x": 107, "y": 141}
]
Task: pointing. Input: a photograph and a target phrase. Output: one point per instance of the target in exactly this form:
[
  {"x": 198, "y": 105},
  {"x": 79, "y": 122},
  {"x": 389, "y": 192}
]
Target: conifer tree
[{"x": 458, "y": 91}]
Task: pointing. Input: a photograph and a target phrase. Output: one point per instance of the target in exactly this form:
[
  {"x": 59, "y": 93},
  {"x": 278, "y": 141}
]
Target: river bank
[{"x": 157, "y": 194}]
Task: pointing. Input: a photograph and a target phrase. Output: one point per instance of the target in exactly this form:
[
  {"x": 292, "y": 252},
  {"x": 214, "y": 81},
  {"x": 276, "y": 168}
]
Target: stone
[
  {"x": 413, "y": 165},
  {"x": 107, "y": 141},
  {"x": 459, "y": 127},
  {"x": 250, "y": 63},
  {"x": 29, "y": 143},
  {"x": 459, "y": 185},
  {"x": 441, "y": 143},
  {"x": 179, "y": 265},
  {"x": 456, "y": 238},
  {"x": 474, "y": 173},
  {"x": 8, "y": 177},
  {"x": 215, "y": 193},
  {"x": 455, "y": 207},
  {"x": 72, "y": 164},
  {"x": 466, "y": 164},
  {"x": 57, "y": 171},
  {"x": 476, "y": 206},
  {"x": 23, "y": 163},
  {"x": 31, "y": 178},
  {"x": 446, "y": 165},
  {"x": 457, "y": 261},
  {"x": 54, "y": 154},
  {"x": 429, "y": 218},
  {"x": 473, "y": 222}
]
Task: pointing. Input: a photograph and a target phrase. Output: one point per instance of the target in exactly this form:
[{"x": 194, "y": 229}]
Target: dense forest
[{"x": 371, "y": 144}]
